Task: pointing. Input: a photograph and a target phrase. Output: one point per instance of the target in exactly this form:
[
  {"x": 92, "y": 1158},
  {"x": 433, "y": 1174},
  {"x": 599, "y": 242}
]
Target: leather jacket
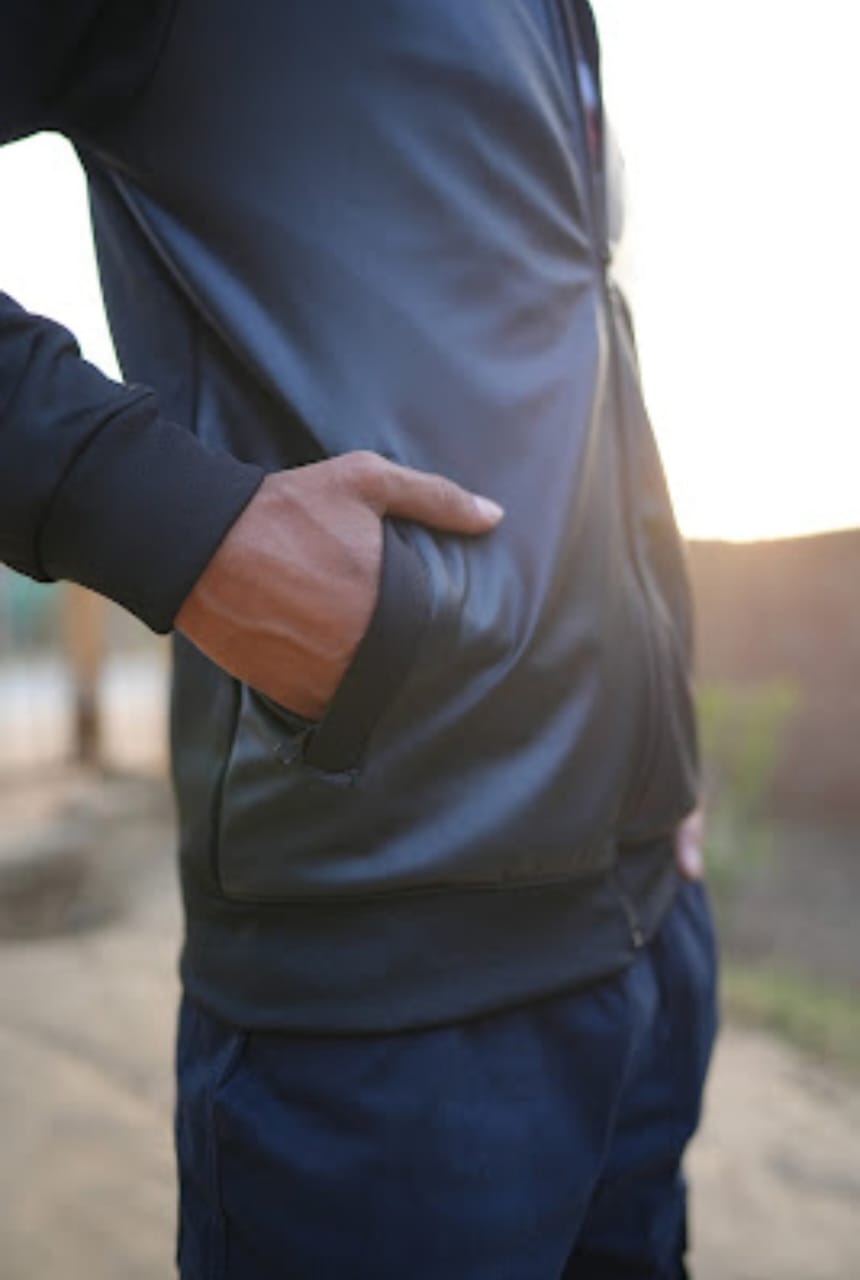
[{"x": 325, "y": 226}]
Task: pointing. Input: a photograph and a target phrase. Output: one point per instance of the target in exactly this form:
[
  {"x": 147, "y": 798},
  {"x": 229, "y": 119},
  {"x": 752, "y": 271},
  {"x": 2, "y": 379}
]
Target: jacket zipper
[
  {"x": 594, "y": 172},
  {"x": 634, "y": 927}
]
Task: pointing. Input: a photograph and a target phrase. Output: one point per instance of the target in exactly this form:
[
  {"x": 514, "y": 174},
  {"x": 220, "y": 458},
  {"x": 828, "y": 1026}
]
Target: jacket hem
[{"x": 420, "y": 961}]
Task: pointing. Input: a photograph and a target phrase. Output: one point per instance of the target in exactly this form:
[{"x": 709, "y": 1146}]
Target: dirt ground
[{"x": 86, "y": 1175}]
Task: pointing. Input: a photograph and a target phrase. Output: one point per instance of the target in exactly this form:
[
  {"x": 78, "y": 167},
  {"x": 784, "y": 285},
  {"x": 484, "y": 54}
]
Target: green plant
[
  {"x": 821, "y": 1018},
  {"x": 742, "y": 731}
]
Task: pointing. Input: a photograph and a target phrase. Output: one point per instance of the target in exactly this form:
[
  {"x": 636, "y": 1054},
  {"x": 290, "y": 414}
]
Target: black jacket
[{"x": 324, "y": 226}]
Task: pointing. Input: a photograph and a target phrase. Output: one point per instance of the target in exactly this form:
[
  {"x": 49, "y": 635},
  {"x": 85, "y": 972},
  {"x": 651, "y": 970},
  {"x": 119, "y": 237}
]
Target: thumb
[{"x": 428, "y": 499}]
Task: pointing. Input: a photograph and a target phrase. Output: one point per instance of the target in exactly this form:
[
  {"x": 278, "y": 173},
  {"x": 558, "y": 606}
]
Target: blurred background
[{"x": 743, "y": 264}]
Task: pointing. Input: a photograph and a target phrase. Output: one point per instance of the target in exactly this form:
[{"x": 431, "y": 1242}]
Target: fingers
[
  {"x": 421, "y": 496},
  {"x": 688, "y": 847}
]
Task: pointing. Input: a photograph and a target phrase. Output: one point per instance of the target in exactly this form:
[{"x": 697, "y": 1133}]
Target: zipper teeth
[
  {"x": 649, "y": 734},
  {"x": 637, "y": 933},
  {"x": 596, "y": 212},
  {"x": 600, "y": 250}
]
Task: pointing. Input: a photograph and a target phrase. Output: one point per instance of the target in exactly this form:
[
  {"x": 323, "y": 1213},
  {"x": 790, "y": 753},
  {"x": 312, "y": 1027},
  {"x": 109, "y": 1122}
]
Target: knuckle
[
  {"x": 446, "y": 495},
  {"x": 363, "y": 467}
]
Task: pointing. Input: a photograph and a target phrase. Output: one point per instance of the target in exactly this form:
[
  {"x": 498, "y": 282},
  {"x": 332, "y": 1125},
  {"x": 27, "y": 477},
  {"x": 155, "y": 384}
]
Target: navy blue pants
[{"x": 534, "y": 1144}]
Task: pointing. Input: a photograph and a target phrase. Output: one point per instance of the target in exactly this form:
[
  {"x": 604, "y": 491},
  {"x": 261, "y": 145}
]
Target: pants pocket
[{"x": 207, "y": 1056}]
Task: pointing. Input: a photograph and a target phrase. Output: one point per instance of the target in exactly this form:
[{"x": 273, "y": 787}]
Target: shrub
[{"x": 742, "y": 732}]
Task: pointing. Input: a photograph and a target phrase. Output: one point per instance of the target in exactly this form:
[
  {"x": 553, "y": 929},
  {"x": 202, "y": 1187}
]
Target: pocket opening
[{"x": 335, "y": 744}]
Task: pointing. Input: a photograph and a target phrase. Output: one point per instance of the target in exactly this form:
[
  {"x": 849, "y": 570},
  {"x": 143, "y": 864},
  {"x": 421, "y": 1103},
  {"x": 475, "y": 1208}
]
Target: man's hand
[
  {"x": 285, "y": 600},
  {"x": 688, "y": 846}
]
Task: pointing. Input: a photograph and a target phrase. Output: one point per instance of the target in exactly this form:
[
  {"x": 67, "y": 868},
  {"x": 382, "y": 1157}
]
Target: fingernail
[{"x": 489, "y": 510}]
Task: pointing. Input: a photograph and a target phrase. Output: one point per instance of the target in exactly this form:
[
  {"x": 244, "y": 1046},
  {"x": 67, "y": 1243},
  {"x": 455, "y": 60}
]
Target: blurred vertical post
[{"x": 84, "y": 629}]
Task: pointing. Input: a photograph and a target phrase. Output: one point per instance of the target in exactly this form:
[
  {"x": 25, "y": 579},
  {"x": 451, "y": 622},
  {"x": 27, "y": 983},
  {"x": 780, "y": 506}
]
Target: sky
[{"x": 737, "y": 119}]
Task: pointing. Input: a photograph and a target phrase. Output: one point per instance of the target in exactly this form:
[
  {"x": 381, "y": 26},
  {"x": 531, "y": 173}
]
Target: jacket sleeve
[
  {"x": 63, "y": 60},
  {"x": 95, "y": 485}
]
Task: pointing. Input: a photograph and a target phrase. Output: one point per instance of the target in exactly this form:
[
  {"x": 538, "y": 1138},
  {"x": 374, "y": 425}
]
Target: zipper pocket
[
  {"x": 665, "y": 784},
  {"x": 646, "y": 731}
]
